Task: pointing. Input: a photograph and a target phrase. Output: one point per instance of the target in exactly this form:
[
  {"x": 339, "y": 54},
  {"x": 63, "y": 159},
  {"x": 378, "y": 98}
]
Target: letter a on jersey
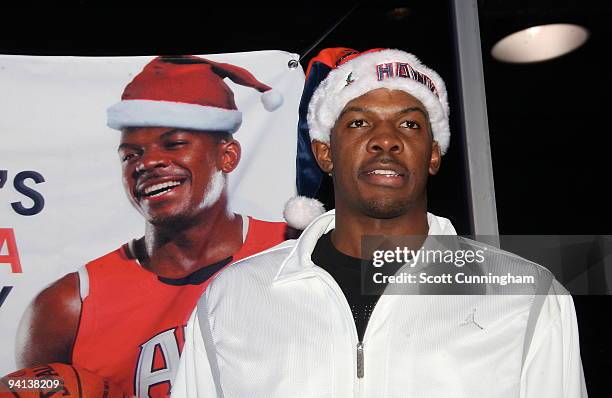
[{"x": 157, "y": 363}]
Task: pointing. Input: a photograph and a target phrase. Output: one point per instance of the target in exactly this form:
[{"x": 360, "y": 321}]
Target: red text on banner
[{"x": 8, "y": 250}]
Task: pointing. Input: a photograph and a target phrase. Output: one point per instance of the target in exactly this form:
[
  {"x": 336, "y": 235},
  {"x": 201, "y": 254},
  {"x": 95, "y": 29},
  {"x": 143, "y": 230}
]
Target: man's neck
[
  {"x": 351, "y": 227},
  {"x": 174, "y": 252}
]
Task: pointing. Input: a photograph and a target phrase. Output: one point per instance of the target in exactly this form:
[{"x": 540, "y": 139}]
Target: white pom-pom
[
  {"x": 301, "y": 210},
  {"x": 271, "y": 100}
]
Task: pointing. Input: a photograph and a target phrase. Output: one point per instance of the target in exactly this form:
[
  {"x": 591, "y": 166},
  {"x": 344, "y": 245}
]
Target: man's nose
[
  {"x": 151, "y": 159},
  {"x": 385, "y": 139}
]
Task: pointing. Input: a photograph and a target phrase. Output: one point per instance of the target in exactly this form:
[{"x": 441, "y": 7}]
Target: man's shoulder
[
  {"x": 260, "y": 235},
  {"x": 499, "y": 260},
  {"x": 270, "y": 230},
  {"x": 260, "y": 268},
  {"x": 270, "y": 258},
  {"x": 110, "y": 262},
  {"x": 121, "y": 254},
  {"x": 484, "y": 267},
  {"x": 281, "y": 249}
]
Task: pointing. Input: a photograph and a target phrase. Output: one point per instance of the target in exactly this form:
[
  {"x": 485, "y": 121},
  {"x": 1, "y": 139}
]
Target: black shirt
[{"x": 346, "y": 271}]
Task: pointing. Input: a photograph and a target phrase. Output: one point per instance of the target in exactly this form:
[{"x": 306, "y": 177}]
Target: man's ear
[
  {"x": 322, "y": 154},
  {"x": 229, "y": 155},
  {"x": 435, "y": 159}
]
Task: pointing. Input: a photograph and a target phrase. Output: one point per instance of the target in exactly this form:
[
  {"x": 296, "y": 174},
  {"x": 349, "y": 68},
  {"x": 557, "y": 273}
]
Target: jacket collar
[{"x": 298, "y": 264}]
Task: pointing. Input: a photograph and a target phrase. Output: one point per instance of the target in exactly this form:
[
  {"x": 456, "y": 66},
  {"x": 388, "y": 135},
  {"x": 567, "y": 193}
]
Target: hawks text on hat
[
  {"x": 402, "y": 69},
  {"x": 371, "y": 70},
  {"x": 186, "y": 92}
]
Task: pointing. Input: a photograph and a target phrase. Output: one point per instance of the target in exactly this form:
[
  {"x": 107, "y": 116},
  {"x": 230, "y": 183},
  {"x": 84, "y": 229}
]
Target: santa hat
[
  {"x": 355, "y": 74},
  {"x": 186, "y": 92}
]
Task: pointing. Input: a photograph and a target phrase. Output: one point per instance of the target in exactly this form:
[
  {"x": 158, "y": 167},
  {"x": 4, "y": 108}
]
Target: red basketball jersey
[{"x": 132, "y": 321}]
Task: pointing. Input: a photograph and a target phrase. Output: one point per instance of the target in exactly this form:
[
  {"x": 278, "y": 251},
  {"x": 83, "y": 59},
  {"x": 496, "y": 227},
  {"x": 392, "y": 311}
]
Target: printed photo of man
[{"x": 122, "y": 315}]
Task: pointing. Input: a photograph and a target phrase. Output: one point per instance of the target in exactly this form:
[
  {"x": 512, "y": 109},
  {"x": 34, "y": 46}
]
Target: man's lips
[
  {"x": 388, "y": 175},
  {"x": 158, "y": 186}
]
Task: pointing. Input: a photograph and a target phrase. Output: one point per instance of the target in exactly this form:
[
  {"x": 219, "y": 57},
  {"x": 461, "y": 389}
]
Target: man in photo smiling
[{"x": 122, "y": 316}]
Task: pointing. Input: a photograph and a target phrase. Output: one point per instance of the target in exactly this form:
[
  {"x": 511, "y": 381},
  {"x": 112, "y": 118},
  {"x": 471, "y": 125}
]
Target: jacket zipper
[{"x": 360, "y": 363}]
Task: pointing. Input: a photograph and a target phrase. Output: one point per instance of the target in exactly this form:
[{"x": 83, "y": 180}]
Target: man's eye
[
  {"x": 175, "y": 144},
  {"x": 411, "y": 124},
  {"x": 128, "y": 156},
  {"x": 358, "y": 123}
]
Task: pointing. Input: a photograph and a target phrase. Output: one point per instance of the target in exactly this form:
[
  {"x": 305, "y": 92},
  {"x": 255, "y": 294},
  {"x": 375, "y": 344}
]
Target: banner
[{"x": 62, "y": 201}]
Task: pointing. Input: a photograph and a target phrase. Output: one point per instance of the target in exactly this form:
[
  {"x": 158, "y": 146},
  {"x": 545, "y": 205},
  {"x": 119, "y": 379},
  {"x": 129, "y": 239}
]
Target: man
[
  {"x": 122, "y": 316},
  {"x": 294, "y": 322}
]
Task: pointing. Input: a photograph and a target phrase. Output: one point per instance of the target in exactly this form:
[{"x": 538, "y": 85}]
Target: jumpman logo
[{"x": 471, "y": 320}]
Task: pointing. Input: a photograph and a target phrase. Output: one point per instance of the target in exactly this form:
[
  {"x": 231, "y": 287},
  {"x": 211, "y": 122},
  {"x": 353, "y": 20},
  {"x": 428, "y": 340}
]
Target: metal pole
[{"x": 474, "y": 119}]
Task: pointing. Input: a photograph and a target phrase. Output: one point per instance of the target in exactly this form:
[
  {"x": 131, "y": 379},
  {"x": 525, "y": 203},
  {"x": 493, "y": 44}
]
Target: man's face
[
  {"x": 380, "y": 153},
  {"x": 171, "y": 175}
]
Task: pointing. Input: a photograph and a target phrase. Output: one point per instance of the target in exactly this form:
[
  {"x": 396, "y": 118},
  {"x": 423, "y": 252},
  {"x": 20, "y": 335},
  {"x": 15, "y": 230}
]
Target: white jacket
[{"x": 276, "y": 325}]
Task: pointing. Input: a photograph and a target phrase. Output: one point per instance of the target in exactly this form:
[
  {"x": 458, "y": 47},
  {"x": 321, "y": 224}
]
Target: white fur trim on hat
[
  {"x": 301, "y": 210},
  {"x": 149, "y": 113},
  {"x": 359, "y": 76},
  {"x": 271, "y": 100}
]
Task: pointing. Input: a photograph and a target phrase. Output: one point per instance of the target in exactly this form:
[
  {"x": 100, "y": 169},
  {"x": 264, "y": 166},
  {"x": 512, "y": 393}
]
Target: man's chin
[
  {"x": 385, "y": 208},
  {"x": 169, "y": 220}
]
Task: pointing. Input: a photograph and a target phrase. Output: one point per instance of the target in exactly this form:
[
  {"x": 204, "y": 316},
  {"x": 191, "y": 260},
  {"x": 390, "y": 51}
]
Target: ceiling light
[{"x": 540, "y": 43}]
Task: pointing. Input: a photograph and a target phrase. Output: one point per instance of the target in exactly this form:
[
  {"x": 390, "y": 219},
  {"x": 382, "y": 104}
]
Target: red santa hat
[
  {"x": 355, "y": 74},
  {"x": 186, "y": 92}
]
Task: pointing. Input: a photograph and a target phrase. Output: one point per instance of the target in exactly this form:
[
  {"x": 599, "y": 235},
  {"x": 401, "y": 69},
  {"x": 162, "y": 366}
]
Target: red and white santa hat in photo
[
  {"x": 186, "y": 92},
  {"x": 360, "y": 73}
]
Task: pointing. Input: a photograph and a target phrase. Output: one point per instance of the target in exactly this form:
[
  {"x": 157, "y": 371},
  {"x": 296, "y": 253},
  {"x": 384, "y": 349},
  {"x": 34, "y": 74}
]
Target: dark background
[{"x": 548, "y": 122}]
